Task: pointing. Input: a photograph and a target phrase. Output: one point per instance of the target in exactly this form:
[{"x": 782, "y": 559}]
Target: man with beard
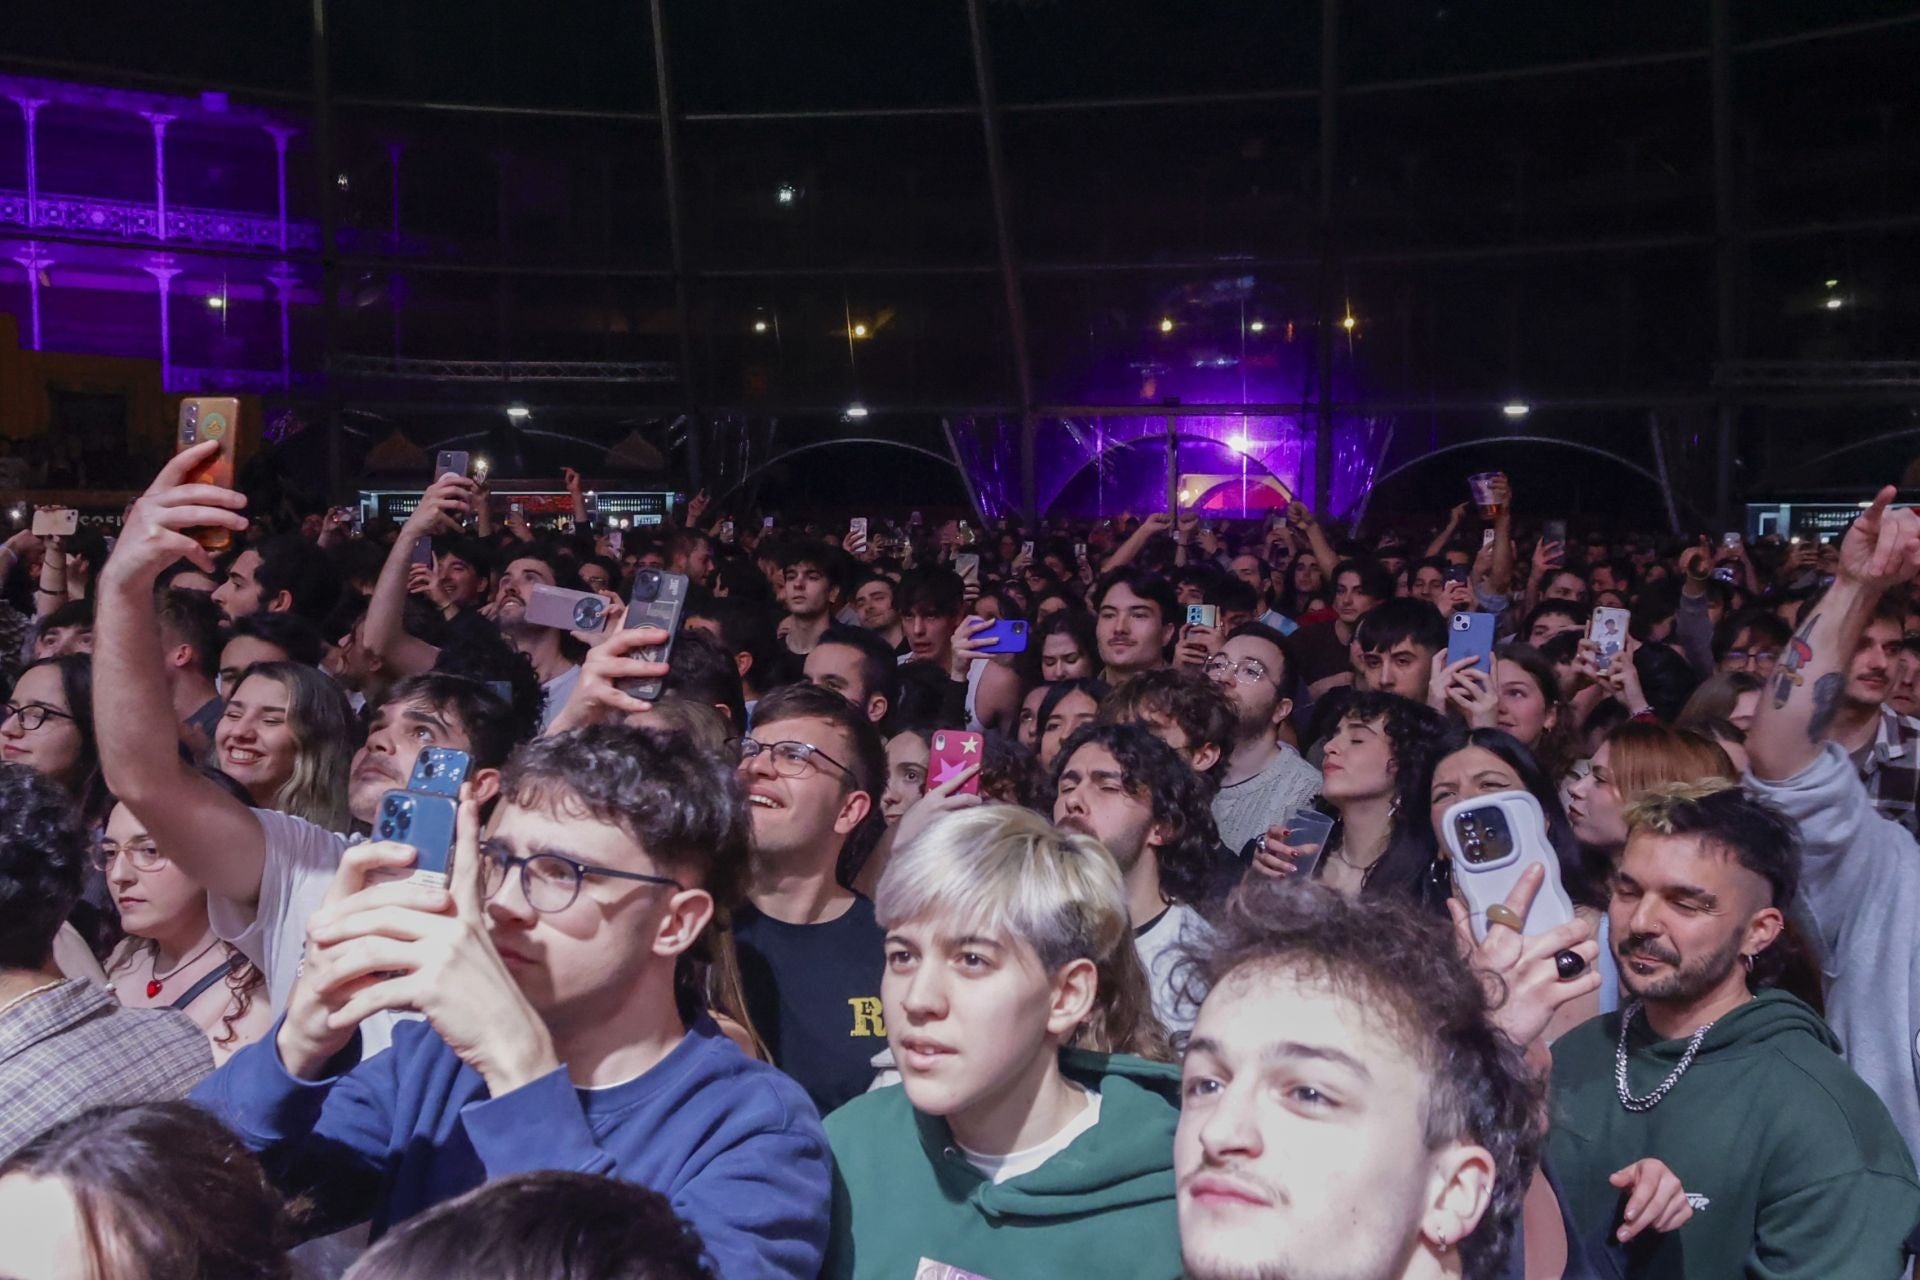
[
  {"x": 1266, "y": 780},
  {"x": 1792, "y": 1165}
]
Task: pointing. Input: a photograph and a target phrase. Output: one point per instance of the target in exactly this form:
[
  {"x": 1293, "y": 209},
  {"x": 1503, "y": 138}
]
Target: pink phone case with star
[{"x": 952, "y": 752}]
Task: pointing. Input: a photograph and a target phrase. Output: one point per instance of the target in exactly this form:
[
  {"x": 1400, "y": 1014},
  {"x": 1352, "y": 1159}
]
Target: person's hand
[
  {"x": 597, "y": 696},
  {"x": 517, "y": 525},
  {"x": 1693, "y": 562},
  {"x": 421, "y": 580},
  {"x": 1185, "y": 527},
  {"x": 696, "y": 507},
  {"x": 1548, "y": 556},
  {"x": 1656, "y": 1200},
  {"x": 336, "y": 526},
  {"x": 155, "y": 533},
  {"x": 1501, "y": 491},
  {"x": 1440, "y": 675},
  {"x": 571, "y": 479},
  {"x": 445, "y": 503},
  {"x": 443, "y": 965},
  {"x": 933, "y": 802},
  {"x": 1522, "y": 970},
  {"x": 1882, "y": 547},
  {"x": 370, "y": 877},
  {"x": 1455, "y": 597},
  {"x": 858, "y": 545},
  {"x": 25, "y": 545},
  {"x": 1469, "y": 689},
  {"x": 612, "y": 620},
  {"x": 966, "y": 647},
  {"x": 1278, "y": 858},
  {"x": 1458, "y": 514},
  {"x": 1157, "y": 522},
  {"x": 1299, "y": 515},
  {"x": 1197, "y": 646}
]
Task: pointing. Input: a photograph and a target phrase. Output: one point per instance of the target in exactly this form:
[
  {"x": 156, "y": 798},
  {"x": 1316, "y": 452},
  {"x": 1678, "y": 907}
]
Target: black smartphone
[{"x": 657, "y": 600}]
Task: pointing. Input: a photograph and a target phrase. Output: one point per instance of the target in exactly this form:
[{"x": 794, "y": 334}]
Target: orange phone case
[{"x": 204, "y": 418}]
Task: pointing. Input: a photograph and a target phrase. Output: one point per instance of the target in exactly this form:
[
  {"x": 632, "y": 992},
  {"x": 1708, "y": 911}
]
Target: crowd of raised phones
[{"x": 934, "y": 899}]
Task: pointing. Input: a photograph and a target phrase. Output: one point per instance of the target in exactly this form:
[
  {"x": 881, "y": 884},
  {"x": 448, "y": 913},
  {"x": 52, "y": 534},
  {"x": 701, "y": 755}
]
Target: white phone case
[{"x": 1492, "y": 840}]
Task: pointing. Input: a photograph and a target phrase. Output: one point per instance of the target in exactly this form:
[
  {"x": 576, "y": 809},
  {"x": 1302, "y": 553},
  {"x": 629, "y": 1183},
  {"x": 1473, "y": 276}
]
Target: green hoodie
[
  {"x": 903, "y": 1192},
  {"x": 1792, "y": 1163}
]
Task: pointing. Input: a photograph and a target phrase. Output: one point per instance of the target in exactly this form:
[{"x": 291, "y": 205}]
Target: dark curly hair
[
  {"x": 1185, "y": 698},
  {"x": 505, "y": 709},
  {"x": 1192, "y": 868},
  {"x": 167, "y": 1184},
  {"x": 1408, "y": 869},
  {"x": 1404, "y": 967},
  {"x": 43, "y": 863},
  {"x": 550, "y": 1225}
]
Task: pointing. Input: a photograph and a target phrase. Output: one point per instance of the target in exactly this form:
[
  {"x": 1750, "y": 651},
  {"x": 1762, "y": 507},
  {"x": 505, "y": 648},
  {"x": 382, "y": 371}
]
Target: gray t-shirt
[{"x": 1247, "y": 809}]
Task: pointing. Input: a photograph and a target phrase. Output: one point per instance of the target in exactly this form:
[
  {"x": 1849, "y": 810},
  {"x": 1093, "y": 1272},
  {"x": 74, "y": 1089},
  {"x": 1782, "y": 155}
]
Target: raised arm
[
  {"x": 1500, "y": 573},
  {"x": 386, "y": 608},
  {"x": 1441, "y": 539},
  {"x": 1798, "y": 705},
  {"x": 208, "y": 834},
  {"x": 1126, "y": 552},
  {"x": 579, "y": 500},
  {"x": 1303, "y": 519}
]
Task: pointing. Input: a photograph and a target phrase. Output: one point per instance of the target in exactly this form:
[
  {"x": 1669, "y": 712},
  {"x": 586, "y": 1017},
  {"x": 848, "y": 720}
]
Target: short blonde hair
[
  {"x": 1002, "y": 869},
  {"x": 1653, "y": 810}
]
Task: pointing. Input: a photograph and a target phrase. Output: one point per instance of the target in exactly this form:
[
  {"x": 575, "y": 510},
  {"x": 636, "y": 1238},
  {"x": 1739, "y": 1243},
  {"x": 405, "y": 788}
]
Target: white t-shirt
[
  {"x": 301, "y": 859},
  {"x": 1014, "y": 1164},
  {"x": 558, "y": 690},
  {"x": 1161, "y": 943}
]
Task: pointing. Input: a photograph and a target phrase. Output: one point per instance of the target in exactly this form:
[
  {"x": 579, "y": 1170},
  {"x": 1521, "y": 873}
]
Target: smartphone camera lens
[
  {"x": 587, "y": 614},
  {"x": 646, "y": 584}
]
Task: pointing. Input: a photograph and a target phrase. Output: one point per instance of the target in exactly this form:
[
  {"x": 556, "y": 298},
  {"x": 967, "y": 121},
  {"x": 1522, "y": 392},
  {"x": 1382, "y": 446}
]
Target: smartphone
[
  {"x": 857, "y": 528},
  {"x": 517, "y": 511},
  {"x": 657, "y": 600},
  {"x": 1009, "y": 635},
  {"x": 1026, "y": 551},
  {"x": 1724, "y": 573},
  {"x": 1470, "y": 635},
  {"x": 952, "y": 752},
  {"x": 726, "y": 531},
  {"x": 423, "y": 553},
  {"x": 968, "y": 567},
  {"x": 1608, "y": 629},
  {"x": 1555, "y": 531},
  {"x": 1486, "y": 539},
  {"x": 425, "y": 822},
  {"x": 204, "y": 418},
  {"x": 359, "y": 519},
  {"x": 1731, "y": 541},
  {"x": 1308, "y": 827},
  {"x": 1079, "y": 551},
  {"x": 1203, "y": 615},
  {"x": 917, "y": 519},
  {"x": 592, "y": 503},
  {"x": 766, "y": 522},
  {"x": 439, "y": 771},
  {"x": 55, "y": 521},
  {"x": 1492, "y": 840},
  {"x": 454, "y": 462},
  {"x": 568, "y": 610},
  {"x": 1456, "y": 573}
]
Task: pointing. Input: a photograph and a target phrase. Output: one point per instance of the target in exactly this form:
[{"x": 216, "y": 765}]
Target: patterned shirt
[
  {"x": 1890, "y": 768},
  {"x": 74, "y": 1047}
]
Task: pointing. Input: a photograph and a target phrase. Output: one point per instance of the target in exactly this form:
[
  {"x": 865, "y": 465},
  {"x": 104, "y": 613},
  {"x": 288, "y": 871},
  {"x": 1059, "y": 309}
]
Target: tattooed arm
[{"x": 1798, "y": 705}]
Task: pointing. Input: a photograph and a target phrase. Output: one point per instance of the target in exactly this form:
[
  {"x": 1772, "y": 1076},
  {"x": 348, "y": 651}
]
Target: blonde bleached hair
[
  {"x": 1003, "y": 871},
  {"x": 1655, "y": 808}
]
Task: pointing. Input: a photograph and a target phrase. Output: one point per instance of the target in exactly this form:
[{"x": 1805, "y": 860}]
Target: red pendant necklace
[{"x": 158, "y": 980}]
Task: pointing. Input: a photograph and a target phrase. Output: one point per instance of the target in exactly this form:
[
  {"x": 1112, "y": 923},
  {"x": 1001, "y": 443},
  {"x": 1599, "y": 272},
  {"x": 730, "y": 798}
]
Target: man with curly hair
[{"x": 1350, "y": 1110}]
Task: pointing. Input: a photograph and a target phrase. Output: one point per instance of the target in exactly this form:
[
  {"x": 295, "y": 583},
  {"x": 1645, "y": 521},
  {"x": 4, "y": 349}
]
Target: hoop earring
[{"x": 1749, "y": 960}]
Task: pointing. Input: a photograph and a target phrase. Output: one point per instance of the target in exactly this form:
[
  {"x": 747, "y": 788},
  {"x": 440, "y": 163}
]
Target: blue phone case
[
  {"x": 439, "y": 771},
  {"x": 1470, "y": 635},
  {"x": 1009, "y": 635},
  {"x": 426, "y": 823}
]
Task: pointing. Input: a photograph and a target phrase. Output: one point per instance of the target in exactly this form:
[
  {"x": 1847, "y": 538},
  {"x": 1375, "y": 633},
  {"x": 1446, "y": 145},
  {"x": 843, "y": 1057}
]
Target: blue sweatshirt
[{"x": 733, "y": 1144}]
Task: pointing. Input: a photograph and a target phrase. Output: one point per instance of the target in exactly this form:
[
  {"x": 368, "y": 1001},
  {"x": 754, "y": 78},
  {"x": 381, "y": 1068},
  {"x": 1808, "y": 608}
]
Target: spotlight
[
  {"x": 856, "y": 411},
  {"x": 1348, "y": 324},
  {"x": 1833, "y": 284},
  {"x": 216, "y": 302},
  {"x": 859, "y": 331},
  {"x": 1258, "y": 326},
  {"x": 1516, "y": 409},
  {"x": 1166, "y": 326},
  {"x": 1833, "y": 304},
  {"x": 786, "y": 193},
  {"x": 1186, "y": 495},
  {"x": 519, "y": 412},
  {"x": 759, "y": 326},
  {"x": 1238, "y": 442}
]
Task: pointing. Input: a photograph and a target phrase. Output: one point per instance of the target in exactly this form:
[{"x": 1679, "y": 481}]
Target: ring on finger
[
  {"x": 1570, "y": 963},
  {"x": 1501, "y": 913}
]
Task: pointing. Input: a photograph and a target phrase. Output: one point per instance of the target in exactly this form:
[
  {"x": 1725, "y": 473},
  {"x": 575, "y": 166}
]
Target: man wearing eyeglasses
[
  {"x": 1265, "y": 779},
  {"x": 549, "y": 973},
  {"x": 811, "y": 952}
]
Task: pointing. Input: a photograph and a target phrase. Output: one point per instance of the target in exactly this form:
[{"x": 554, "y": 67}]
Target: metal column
[
  {"x": 1009, "y": 268},
  {"x": 676, "y": 238},
  {"x": 1728, "y": 256},
  {"x": 1329, "y": 260},
  {"x": 329, "y": 280}
]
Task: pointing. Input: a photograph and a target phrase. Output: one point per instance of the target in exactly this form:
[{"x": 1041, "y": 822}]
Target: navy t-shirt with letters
[{"x": 813, "y": 991}]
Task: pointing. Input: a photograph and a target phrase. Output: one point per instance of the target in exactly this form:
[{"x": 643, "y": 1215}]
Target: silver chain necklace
[{"x": 1648, "y": 1102}]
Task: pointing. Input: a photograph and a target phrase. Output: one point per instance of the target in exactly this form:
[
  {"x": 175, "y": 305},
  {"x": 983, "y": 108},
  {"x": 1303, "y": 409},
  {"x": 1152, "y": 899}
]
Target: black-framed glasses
[
  {"x": 1246, "y": 671},
  {"x": 144, "y": 854},
  {"x": 31, "y": 716},
  {"x": 790, "y": 759},
  {"x": 548, "y": 881}
]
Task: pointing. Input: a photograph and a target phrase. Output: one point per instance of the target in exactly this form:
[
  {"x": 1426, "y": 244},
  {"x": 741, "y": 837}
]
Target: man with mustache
[
  {"x": 1883, "y": 744},
  {"x": 1350, "y": 1111},
  {"x": 1792, "y": 1165}
]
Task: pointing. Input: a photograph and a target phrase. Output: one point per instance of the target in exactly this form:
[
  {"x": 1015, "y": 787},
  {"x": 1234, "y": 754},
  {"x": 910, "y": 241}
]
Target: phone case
[
  {"x": 1009, "y": 635},
  {"x": 425, "y": 822},
  {"x": 968, "y": 567},
  {"x": 439, "y": 771},
  {"x": 568, "y": 610},
  {"x": 952, "y": 752},
  {"x": 451, "y": 462},
  {"x": 204, "y": 418},
  {"x": 55, "y": 520},
  {"x": 1203, "y": 615},
  {"x": 422, "y": 553},
  {"x": 1470, "y": 635},
  {"x": 857, "y": 526},
  {"x": 1492, "y": 840},
  {"x": 1556, "y": 531},
  {"x": 657, "y": 601},
  {"x": 1608, "y": 629}
]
